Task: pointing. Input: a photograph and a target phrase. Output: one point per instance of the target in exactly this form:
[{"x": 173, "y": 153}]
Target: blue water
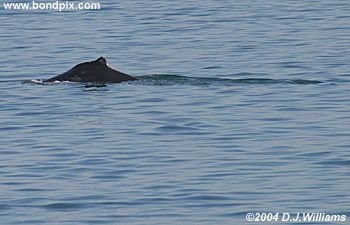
[{"x": 242, "y": 106}]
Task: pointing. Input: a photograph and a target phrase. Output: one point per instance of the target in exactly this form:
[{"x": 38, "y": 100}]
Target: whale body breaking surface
[
  {"x": 97, "y": 73},
  {"x": 93, "y": 72}
]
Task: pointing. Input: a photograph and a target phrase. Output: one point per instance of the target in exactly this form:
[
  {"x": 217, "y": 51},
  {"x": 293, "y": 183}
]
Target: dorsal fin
[{"x": 102, "y": 60}]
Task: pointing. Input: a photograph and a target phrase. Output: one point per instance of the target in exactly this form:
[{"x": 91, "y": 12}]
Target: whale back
[{"x": 93, "y": 72}]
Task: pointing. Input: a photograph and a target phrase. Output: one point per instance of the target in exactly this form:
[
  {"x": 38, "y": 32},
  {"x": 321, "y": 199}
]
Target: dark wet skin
[{"x": 93, "y": 72}]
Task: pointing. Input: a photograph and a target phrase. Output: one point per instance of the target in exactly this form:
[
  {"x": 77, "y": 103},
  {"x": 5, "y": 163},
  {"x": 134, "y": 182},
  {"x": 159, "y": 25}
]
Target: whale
[{"x": 96, "y": 71}]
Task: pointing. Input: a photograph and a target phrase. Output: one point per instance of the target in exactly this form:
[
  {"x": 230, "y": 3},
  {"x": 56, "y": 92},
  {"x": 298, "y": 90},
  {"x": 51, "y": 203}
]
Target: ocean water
[{"x": 241, "y": 106}]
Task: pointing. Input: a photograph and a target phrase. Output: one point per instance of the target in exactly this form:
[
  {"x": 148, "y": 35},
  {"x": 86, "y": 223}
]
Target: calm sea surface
[{"x": 241, "y": 106}]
